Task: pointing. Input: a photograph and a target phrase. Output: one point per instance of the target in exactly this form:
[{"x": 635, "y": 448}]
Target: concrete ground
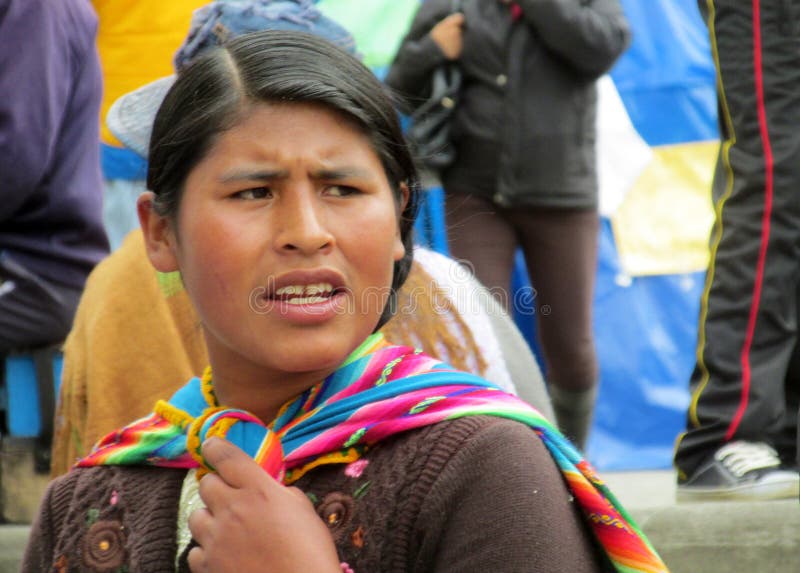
[
  {"x": 751, "y": 537},
  {"x": 718, "y": 537}
]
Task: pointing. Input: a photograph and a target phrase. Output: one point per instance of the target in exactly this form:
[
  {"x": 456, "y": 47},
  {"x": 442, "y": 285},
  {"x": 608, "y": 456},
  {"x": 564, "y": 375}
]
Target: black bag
[{"x": 429, "y": 129}]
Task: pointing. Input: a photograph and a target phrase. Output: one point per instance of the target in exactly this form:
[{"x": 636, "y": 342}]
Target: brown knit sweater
[{"x": 478, "y": 494}]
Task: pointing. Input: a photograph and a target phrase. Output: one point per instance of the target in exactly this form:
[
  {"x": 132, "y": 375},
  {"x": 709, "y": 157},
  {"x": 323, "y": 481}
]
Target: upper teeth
[{"x": 306, "y": 290}]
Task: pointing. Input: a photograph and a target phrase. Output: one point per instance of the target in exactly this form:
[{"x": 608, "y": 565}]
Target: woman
[
  {"x": 282, "y": 191},
  {"x": 524, "y": 174}
]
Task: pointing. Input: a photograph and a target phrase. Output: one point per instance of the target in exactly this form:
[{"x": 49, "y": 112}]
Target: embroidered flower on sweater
[
  {"x": 104, "y": 546},
  {"x": 358, "y": 537},
  {"x": 356, "y": 468},
  {"x": 336, "y": 510},
  {"x": 362, "y": 489}
]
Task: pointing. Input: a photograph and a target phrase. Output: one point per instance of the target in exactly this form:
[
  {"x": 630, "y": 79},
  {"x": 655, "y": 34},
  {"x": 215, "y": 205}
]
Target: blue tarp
[
  {"x": 645, "y": 331},
  {"x": 666, "y": 77}
]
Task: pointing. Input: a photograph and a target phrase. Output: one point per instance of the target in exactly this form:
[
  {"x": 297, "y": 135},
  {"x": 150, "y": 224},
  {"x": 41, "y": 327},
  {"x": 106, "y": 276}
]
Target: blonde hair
[{"x": 430, "y": 321}]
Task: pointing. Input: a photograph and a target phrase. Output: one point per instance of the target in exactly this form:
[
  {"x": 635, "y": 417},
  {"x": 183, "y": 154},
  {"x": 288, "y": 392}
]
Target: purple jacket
[{"x": 50, "y": 181}]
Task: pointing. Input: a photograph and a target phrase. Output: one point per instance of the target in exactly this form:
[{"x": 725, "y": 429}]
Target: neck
[{"x": 260, "y": 392}]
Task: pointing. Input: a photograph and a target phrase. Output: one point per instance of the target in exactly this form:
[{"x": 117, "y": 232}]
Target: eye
[
  {"x": 254, "y": 193},
  {"x": 341, "y": 191}
]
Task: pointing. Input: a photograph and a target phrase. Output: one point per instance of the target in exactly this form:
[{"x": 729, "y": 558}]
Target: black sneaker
[{"x": 740, "y": 471}]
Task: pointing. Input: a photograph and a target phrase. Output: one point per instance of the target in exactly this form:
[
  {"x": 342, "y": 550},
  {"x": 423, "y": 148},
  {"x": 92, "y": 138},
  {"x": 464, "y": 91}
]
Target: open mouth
[{"x": 302, "y": 293}]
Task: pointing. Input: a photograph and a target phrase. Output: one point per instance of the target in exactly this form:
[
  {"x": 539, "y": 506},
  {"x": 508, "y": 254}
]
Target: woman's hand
[
  {"x": 448, "y": 35},
  {"x": 253, "y": 523}
]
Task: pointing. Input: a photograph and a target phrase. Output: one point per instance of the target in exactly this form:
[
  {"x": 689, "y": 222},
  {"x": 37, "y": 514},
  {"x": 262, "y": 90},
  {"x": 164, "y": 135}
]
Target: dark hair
[{"x": 211, "y": 94}]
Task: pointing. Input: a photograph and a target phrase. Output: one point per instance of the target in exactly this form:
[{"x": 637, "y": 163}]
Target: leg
[
  {"x": 748, "y": 322},
  {"x": 480, "y": 236},
  {"x": 560, "y": 248},
  {"x": 787, "y": 437}
]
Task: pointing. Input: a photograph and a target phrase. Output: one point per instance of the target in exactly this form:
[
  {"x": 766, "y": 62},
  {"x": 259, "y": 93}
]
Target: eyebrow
[
  {"x": 337, "y": 174},
  {"x": 327, "y": 174},
  {"x": 251, "y": 175}
]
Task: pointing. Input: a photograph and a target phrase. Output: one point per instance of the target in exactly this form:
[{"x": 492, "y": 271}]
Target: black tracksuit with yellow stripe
[{"x": 746, "y": 383}]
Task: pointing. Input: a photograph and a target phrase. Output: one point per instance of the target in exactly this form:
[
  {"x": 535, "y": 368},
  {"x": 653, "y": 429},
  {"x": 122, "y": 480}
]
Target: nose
[{"x": 302, "y": 223}]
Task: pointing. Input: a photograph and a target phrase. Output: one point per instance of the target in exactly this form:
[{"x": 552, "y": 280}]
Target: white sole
[{"x": 779, "y": 487}]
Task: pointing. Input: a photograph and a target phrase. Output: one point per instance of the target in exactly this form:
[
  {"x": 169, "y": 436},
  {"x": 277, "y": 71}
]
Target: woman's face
[{"x": 286, "y": 238}]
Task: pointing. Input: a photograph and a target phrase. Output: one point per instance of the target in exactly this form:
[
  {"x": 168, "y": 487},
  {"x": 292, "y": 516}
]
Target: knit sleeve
[
  {"x": 38, "y": 554},
  {"x": 500, "y": 504}
]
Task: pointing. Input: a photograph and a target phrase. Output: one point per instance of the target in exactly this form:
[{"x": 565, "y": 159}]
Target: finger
[
  {"x": 216, "y": 493},
  {"x": 213, "y": 490},
  {"x": 197, "y": 560},
  {"x": 235, "y": 467},
  {"x": 200, "y": 522}
]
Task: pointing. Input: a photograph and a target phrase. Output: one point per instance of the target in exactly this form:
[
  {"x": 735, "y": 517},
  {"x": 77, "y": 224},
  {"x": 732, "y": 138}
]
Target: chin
[{"x": 317, "y": 360}]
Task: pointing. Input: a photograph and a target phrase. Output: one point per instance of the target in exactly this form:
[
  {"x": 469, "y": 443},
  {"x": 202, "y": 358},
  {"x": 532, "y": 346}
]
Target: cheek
[
  {"x": 212, "y": 261},
  {"x": 378, "y": 246}
]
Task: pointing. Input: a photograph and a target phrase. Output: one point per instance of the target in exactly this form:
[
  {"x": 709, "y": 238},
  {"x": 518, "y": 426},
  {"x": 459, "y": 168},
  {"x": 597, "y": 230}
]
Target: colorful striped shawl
[{"x": 379, "y": 391}]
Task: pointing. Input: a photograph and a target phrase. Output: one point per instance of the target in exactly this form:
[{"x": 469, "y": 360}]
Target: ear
[
  {"x": 399, "y": 247},
  {"x": 159, "y": 236}
]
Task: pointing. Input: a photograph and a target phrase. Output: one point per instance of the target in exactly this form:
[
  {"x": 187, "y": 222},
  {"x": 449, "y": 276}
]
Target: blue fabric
[
  {"x": 645, "y": 332},
  {"x": 430, "y": 224},
  {"x": 122, "y": 163},
  {"x": 214, "y": 22},
  {"x": 666, "y": 78}
]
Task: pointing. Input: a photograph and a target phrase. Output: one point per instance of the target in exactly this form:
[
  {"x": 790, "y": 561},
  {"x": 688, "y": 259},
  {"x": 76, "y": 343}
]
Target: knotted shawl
[{"x": 379, "y": 391}]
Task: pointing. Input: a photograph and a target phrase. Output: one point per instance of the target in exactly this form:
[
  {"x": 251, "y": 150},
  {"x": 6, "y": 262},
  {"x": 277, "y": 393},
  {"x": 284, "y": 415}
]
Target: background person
[
  {"x": 525, "y": 174},
  {"x": 51, "y": 232},
  {"x": 741, "y": 428}
]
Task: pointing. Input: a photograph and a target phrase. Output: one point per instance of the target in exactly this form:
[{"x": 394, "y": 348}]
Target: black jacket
[{"x": 525, "y": 125}]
